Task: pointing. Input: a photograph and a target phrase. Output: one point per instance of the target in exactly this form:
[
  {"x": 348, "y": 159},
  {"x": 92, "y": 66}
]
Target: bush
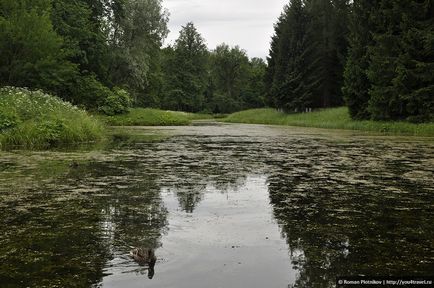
[
  {"x": 52, "y": 130},
  {"x": 89, "y": 92},
  {"x": 8, "y": 119},
  {"x": 118, "y": 102},
  {"x": 34, "y": 119}
]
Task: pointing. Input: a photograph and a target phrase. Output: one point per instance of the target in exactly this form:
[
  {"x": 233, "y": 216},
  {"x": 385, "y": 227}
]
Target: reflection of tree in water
[
  {"x": 343, "y": 209},
  {"x": 189, "y": 196},
  {"x": 132, "y": 211},
  {"x": 48, "y": 237},
  {"x": 192, "y": 193},
  {"x": 188, "y": 168},
  {"x": 344, "y": 213},
  {"x": 64, "y": 229}
]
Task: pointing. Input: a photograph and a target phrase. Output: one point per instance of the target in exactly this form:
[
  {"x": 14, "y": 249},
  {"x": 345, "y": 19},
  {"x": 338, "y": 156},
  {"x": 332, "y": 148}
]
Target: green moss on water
[
  {"x": 334, "y": 118},
  {"x": 70, "y": 217},
  {"x": 153, "y": 117}
]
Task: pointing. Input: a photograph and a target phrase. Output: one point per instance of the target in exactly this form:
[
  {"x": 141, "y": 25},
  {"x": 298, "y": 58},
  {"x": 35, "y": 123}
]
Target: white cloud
[{"x": 247, "y": 23}]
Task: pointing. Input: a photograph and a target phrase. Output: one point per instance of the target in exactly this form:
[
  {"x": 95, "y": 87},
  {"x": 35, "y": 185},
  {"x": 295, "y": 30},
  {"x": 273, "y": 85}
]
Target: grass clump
[
  {"x": 33, "y": 119},
  {"x": 333, "y": 118},
  {"x": 152, "y": 117}
]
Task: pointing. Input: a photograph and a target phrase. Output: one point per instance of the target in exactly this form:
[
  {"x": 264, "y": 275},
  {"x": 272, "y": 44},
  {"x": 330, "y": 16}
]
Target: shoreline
[{"x": 333, "y": 118}]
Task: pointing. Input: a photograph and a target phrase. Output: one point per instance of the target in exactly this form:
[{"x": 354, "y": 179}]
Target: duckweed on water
[
  {"x": 311, "y": 206},
  {"x": 33, "y": 119}
]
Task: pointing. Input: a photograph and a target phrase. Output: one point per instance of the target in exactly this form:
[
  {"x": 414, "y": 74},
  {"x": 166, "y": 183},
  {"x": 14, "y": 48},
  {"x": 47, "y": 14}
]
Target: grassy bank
[
  {"x": 152, "y": 117},
  {"x": 335, "y": 118},
  {"x": 32, "y": 119}
]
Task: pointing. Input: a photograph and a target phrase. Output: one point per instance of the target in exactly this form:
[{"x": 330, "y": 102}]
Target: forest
[
  {"x": 376, "y": 57},
  {"x": 131, "y": 156},
  {"x": 86, "y": 51}
]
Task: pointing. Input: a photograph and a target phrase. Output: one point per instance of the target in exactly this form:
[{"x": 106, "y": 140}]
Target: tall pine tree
[
  {"x": 288, "y": 71},
  {"x": 402, "y": 61},
  {"x": 328, "y": 32},
  {"x": 307, "y": 55},
  {"x": 356, "y": 83},
  {"x": 272, "y": 59}
]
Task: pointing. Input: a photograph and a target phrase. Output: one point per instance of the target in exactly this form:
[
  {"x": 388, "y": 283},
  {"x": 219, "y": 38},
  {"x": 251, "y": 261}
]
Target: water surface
[{"x": 222, "y": 205}]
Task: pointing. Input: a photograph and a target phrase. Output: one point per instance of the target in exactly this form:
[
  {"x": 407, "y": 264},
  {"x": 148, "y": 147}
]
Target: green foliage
[
  {"x": 93, "y": 95},
  {"x": 149, "y": 117},
  {"x": 402, "y": 61},
  {"x": 233, "y": 82},
  {"x": 222, "y": 81},
  {"x": 118, "y": 102},
  {"x": 356, "y": 83},
  {"x": 83, "y": 35},
  {"x": 333, "y": 118},
  {"x": 52, "y": 130},
  {"x": 254, "y": 94},
  {"x": 31, "y": 51},
  {"x": 8, "y": 119},
  {"x": 186, "y": 71},
  {"x": 389, "y": 72},
  {"x": 289, "y": 88},
  {"x": 33, "y": 119},
  {"x": 229, "y": 76},
  {"x": 328, "y": 32},
  {"x": 89, "y": 92},
  {"x": 135, "y": 34},
  {"x": 307, "y": 55},
  {"x": 80, "y": 49}
]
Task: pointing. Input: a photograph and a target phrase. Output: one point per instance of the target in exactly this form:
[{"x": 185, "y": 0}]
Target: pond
[{"x": 222, "y": 205}]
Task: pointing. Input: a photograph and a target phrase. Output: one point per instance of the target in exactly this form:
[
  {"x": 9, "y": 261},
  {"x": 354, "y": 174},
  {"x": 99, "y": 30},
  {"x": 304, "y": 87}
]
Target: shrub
[
  {"x": 89, "y": 92},
  {"x": 35, "y": 119},
  {"x": 52, "y": 130},
  {"x": 8, "y": 119},
  {"x": 118, "y": 102}
]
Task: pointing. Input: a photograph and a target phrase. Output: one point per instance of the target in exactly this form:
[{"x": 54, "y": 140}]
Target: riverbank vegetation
[
  {"x": 86, "y": 51},
  {"x": 108, "y": 56},
  {"x": 33, "y": 119},
  {"x": 332, "y": 118},
  {"x": 152, "y": 117}
]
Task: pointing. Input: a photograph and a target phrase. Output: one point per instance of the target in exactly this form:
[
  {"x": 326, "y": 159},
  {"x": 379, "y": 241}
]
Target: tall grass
[
  {"x": 152, "y": 117},
  {"x": 33, "y": 119},
  {"x": 334, "y": 118}
]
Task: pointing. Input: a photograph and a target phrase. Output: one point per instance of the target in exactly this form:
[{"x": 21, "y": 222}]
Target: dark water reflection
[{"x": 223, "y": 206}]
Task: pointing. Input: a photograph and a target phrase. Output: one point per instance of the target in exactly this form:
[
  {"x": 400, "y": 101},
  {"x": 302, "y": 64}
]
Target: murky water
[{"x": 222, "y": 205}]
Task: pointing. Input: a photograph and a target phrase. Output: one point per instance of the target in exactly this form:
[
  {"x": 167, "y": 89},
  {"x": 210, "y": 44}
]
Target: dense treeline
[
  {"x": 307, "y": 55},
  {"x": 98, "y": 53},
  {"x": 220, "y": 81},
  {"x": 80, "y": 49},
  {"x": 389, "y": 74},
  {"x": 378, "y": 56},
  {"x": 375, "y": 56}
]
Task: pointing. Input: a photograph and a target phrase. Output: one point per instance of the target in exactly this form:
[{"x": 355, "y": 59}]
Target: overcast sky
[{"x": 247, "y": 23}]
